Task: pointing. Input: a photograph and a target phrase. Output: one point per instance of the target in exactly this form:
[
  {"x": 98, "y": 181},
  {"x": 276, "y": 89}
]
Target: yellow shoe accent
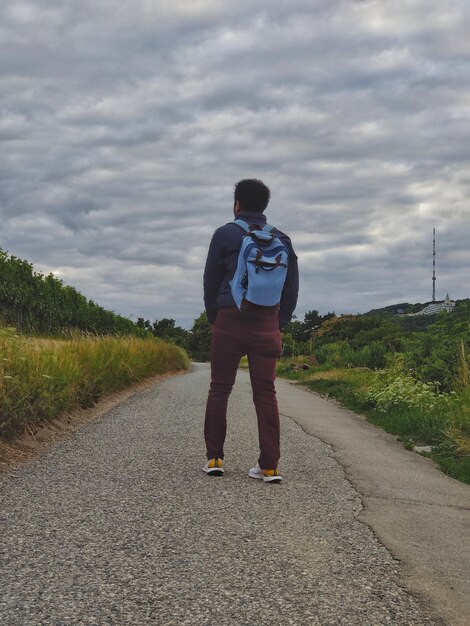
[
  {"x": 266, "y": 475},
  {"x": 271, "y": 476},
  {"x": 214, "y": 467},
  {"x": 215, "y": 463},
  {"x": 270, "y": 472}
]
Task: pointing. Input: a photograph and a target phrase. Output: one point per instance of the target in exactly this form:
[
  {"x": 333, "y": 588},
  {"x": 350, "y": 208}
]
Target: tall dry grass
[{"x": 39, "y": 378}]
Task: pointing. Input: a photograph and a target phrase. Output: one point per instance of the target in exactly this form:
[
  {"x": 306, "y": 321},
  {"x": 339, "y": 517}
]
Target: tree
[
  {"x": 347, "y": 327},
  {"x": 200, "y": 339},
  {"x": 302, "y": 332},
  {"x": 295, "y": 330},
  {"x": 163, "y": 328},
  {"x": 167, "y": 330}
]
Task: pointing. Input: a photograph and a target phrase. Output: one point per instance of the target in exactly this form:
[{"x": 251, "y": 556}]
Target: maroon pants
[{"x": 235, "y": 334}]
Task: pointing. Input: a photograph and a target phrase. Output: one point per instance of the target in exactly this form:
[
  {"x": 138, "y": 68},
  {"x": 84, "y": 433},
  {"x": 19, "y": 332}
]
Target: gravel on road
[{"x": 119, "y": 525}]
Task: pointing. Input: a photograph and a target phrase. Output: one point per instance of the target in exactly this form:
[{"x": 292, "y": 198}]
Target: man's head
[{"x": 251, "y": 195}]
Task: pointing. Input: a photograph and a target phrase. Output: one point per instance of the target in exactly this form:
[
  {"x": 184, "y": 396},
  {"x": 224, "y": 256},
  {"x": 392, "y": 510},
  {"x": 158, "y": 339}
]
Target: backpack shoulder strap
[
  {"x": 269, "y": 229},
  {"x": 243, "y": 225}
]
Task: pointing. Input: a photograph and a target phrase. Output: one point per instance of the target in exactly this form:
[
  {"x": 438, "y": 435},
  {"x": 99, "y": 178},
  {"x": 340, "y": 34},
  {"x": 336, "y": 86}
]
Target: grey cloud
[{"x": 124, "y": 126}]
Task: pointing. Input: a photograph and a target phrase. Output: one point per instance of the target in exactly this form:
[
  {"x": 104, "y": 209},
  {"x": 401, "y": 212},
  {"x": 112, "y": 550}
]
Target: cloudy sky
[{"x": 124, "y": 125}]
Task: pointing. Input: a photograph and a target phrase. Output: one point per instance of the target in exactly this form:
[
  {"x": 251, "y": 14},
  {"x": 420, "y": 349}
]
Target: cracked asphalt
[{"x": 119, "y": 525}]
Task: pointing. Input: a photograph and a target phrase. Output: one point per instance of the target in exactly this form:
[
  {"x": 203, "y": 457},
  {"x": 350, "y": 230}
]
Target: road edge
[
  {"x": 410, "y": 580},
  {"x": 38, "y": 438}
]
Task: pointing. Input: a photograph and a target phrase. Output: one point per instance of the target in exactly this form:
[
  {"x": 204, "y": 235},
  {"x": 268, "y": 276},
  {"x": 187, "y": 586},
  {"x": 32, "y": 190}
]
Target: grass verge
[
  {"x": 39, "y": 379},
  {"x": 400, "y": 406}
]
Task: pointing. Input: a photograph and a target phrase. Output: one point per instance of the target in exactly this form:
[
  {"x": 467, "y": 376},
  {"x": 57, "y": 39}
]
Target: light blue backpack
[{"x": 262, "y": 267}]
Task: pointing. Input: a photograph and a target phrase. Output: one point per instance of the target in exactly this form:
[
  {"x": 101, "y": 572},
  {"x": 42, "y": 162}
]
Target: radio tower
[{"x": 434, "y": 265}]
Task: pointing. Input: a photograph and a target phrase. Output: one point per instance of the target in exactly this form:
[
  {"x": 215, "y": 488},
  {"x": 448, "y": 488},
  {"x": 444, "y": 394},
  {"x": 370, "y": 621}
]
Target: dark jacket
[{"x": 222, "y": 261}]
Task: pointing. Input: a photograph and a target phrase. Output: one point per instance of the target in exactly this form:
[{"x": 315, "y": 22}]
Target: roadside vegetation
[
  {"x": 60, "y": 350},
  {"x": 410, "y": 379},
  {"x": 35, "y": 303},
  {"x": 407, "y": 373},
  {"x": 40, "y": 378},
  {"x": 43, "y": 306}
]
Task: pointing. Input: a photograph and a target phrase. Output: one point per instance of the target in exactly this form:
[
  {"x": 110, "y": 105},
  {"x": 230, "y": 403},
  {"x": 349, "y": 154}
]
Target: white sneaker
[
  {"x": 267, "y": 476},
  {"x": 214, "y": 467}
]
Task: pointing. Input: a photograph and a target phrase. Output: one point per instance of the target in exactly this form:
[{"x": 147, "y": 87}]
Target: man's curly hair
[{"x": 252, "y": 194}]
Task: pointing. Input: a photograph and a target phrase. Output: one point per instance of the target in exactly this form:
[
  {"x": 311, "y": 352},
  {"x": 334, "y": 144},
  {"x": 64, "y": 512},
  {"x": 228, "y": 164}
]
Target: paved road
[
  {"x": 419, "y": 513},
  {"x": 118, "y": 525}
]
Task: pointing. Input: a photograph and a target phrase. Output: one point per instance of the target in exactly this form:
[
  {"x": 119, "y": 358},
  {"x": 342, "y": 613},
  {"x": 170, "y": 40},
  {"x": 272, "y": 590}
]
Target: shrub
[
  {"x": 371, "y": 356},
  {"x": 418, "y": 406}
]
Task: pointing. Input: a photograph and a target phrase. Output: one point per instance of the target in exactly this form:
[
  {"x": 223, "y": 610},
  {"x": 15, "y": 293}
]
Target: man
[{"x": 254, "y": 330}]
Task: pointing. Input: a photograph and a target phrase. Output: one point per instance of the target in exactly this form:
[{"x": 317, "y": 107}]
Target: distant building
[{"x": 436, "y": 307}]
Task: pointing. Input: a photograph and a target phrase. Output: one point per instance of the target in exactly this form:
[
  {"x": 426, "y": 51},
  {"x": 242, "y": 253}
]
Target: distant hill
[
  {"x": 399, "y": 313},
  {"x": 398, "y": 309},
  {"x": 404, "y": 308}
]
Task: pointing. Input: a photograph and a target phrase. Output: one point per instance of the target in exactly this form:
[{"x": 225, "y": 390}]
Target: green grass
[
  {"x": 40, "y": 378},
  {"x": 340, "y": 389},
  {"x": 458, "y": 468},
  {"x": 444, "y": 423}
]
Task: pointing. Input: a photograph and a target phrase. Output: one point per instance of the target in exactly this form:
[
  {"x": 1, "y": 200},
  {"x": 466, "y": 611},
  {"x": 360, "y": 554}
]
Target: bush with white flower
[{"x": 395, "y": 390}]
